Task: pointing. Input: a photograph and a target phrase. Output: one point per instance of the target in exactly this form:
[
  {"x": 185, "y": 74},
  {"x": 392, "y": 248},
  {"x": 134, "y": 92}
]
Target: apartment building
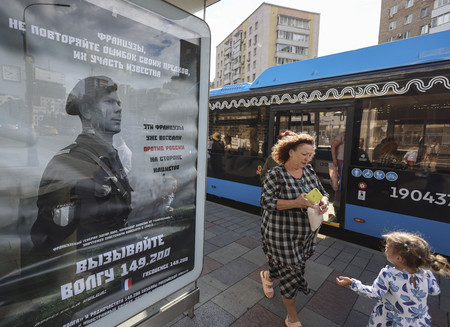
[
  {"x": 401, "y": 19},
  {"x": 271, "y": 35}
]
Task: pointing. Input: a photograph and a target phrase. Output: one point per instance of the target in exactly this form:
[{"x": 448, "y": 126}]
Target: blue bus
[{"x": 389, "y": 104}]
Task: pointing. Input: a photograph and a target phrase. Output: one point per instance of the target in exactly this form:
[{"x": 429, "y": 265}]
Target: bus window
[
  {"x": 331, "y": 123},
  {"x": 407, "y": 132},
  {"x": 238, "y": 144}
]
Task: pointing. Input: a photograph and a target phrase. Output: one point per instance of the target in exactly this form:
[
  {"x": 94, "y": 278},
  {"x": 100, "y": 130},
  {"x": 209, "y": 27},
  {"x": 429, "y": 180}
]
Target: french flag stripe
[{"x": 127, "y": 283}]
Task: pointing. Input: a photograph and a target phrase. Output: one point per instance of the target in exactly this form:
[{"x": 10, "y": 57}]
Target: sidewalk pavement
[{"x": 230, "y": 287}]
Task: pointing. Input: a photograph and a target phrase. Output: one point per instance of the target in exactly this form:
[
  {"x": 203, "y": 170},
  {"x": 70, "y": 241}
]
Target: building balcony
[
  {"x": 289, "y": 55},
  {"x": 291, "y": 42},
  {"x": 236, "y": 65},
  {"x": 293, "y": 29}
]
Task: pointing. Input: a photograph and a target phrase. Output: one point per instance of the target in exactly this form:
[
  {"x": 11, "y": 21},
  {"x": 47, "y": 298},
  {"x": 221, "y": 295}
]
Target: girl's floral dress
[{"x": 400, "y": 304}]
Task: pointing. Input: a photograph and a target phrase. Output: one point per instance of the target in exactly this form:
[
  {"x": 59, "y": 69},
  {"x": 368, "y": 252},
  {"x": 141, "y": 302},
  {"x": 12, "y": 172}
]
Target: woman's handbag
[{"x": 315, "y": 217}]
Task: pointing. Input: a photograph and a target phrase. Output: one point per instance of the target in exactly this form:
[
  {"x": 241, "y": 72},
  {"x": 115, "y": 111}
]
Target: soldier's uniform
[{"x": 84, "y": 188}]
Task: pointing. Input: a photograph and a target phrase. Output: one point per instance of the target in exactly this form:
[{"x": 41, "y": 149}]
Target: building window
[
  {"x": 250, "y": 30},
  {"x": 248, "y": 67},
  {"x": 392, "y": 25},
  {"x": 293, "y": 36},
  {"x": 439, "y": 20},
  {"x": 254, "y": 76},
  {"x": 293, "y": 21},
  {"x": 256, "y": 26},
  {"x": 256, "y": 39},
  {"x": 440, "y": 3},
  {"x": 408, "y": 19},
  {"x": 282, "y": 61},
  {"x": 254, "y": 64},
  {"x": 391, "y": 39},
  {"x": 407, "y": 35},
  {"x": 424, "y": 12},
  {"x": 409, "y": 3},
  {"x": 248, "y": 78},
  {"x": 292, "y": 49},
  {"x": 393, "y": 11},
  {"x": 254, "y": 51},
  {"x": 424, "y": 29},
  {"x": 249, "y": 43}
]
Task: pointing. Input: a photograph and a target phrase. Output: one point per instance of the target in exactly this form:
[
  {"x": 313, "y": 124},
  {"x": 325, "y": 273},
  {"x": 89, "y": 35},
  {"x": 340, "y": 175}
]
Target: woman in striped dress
[{"x": 287, "y": 238}]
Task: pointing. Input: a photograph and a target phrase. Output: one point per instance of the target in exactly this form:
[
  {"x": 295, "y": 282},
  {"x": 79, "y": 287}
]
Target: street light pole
[{"x": 32, "y": 159}]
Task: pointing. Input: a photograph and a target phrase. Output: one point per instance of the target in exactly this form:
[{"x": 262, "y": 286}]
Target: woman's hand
[
  {"x": 343, "y": 281},
  {"x": 323, "y": 205},
  {"x": 304, "y": 202}
]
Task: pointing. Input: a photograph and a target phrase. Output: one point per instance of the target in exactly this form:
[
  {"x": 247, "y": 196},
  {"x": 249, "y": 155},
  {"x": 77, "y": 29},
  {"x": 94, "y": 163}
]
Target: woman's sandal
[
  {"x": 292, "y": 324},
  {"x": 267, "y": 286}
]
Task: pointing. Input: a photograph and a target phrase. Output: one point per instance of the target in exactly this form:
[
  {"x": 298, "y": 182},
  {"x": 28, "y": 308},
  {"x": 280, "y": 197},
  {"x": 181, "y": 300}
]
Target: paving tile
[
  {"x": 345, "y": 257},
  {"x": 433, "y": 301},
  {"x": 364, "y": 305},
  {"x": 365, "y": 254},
  {"x": 276, "y": 305},
  {"x": 350, "y": 249},
  {"x": 249, "y": 242},
  {"x": 339, "y": 245},
  {"x": 444, "y": 297},
  {"x": 256, "y": 256},
  {"x": 376, "y": 263},
  {"x": 338, "y": 265},
  {"x": 234, "y": 271},
  {"x": 353, "y": 271},
  {"x": 210, "y": 280},
  {"x": 240, "y": 297},
  {"x": 310, "y": 318},
  {"x": 439, "y": 317},
  {"x": 209, "y": 235},
  {"x": 360, "y": 261},
  {"x": 356, "y": 319},
  {"x": 258, "y": 316},
  {"x": 316, "y": 274},
  {"x": 209, "y": 264},
  {"x": 225, "y": 238},
  {"x": 218, "y": 230},
  {"x": 324, "y": 260},
  {"x": 228, "y": 252},
  {"x": 367, "y": 277},
  {"x": 324, "y": 302},
  {"x": 332, "y": 251},
  {"x": 208, "y": 248},
  {"x": 320, "y": 248},
  {"x": 207, "y": 291},
  {"x": 327, "y": 241},
  {"x": 207, "y": 315}
]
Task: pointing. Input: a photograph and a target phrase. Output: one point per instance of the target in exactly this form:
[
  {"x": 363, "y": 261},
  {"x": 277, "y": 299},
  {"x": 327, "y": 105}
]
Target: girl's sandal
[{"x": 267, "y": 286}]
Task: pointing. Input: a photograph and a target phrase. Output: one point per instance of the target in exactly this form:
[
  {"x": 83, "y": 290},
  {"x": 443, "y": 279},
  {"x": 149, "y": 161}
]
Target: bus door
[{"x": 328, "y": 125}]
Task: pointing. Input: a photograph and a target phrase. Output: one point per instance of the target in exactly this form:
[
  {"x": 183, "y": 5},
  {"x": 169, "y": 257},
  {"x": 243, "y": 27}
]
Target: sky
[{"x": 344, "y": 25}]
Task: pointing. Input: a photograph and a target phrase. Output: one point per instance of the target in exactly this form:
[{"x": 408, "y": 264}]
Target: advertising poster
[{"x": 99, "y": 129}]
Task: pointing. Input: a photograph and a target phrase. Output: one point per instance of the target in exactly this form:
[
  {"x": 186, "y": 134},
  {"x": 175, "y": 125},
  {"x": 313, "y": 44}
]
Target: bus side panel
[
  {"x": 234, "y": 191},
  {"x": 378, "y": 222}
]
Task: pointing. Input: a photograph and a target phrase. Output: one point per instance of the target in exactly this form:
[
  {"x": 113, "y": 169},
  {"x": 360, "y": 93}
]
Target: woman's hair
[
  {"x": 280, "y": 151},
  {"x": 285, "y": 133},
  {"x": 416, "y": 252}
]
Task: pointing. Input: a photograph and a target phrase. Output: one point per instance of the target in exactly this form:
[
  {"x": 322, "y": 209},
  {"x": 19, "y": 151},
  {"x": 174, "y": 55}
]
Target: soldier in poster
[{"x": 84, "y": 190}]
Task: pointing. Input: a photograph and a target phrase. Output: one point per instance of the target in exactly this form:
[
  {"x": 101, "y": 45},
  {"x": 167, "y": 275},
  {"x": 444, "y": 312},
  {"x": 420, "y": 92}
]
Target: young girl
[{"x": 402, "y": 290}]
